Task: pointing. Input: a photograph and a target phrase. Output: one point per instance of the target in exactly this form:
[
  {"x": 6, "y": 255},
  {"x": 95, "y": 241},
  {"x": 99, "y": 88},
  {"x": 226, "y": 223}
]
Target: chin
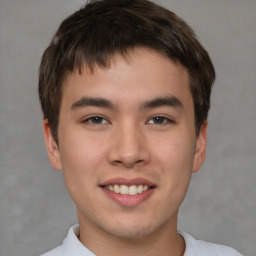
[
  {"x": 132, "y": 232},
  {"x": 134, "y": 229}
]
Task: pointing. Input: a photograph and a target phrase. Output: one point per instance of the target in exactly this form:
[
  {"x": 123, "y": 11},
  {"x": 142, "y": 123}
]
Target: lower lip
[{"x": 127, "y": 200}]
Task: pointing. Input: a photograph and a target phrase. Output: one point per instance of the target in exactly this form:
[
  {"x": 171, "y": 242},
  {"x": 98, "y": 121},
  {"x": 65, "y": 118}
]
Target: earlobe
[
  {"x": 200, "y": 150},
  {"x": 51, "y": 146}
]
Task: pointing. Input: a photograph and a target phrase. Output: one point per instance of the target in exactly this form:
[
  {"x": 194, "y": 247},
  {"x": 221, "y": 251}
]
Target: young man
[{"x": 125, "y": 91}]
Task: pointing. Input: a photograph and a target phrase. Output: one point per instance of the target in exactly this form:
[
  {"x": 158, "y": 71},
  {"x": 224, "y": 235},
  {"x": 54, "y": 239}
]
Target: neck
[{"x": 165, "y": 241}]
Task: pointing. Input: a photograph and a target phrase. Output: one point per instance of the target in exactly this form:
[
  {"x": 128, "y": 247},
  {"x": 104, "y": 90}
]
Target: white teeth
[
  {"x": 140, "y": 189},
  {"x": 133, "y": 190},
  {"x": 116, "y": 189},
  {"x": 128, "y": 190},
  {"x": 124, "y": 190}
]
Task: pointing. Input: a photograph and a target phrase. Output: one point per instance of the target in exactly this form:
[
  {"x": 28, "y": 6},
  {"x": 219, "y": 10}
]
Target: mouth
[{"x": 128, "y": 192}]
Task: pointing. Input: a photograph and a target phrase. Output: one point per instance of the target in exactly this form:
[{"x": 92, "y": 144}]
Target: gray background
[{"x": 35, "y": 210}]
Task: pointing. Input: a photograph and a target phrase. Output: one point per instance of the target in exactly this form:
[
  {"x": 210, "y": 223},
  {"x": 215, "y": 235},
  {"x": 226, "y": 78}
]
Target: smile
[{"x": 127, "y": 190}]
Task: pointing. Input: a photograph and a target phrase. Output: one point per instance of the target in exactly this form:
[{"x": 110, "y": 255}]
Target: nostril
[
  {"x": 117, "y": 162},
  {"x": 139, "y": 161}
]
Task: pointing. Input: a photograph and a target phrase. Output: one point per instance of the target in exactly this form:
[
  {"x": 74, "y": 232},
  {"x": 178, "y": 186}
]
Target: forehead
[{"x": 140, "y": 74}]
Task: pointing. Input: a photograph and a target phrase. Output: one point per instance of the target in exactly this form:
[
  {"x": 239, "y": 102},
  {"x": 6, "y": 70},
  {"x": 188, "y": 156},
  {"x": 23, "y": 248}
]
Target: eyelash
[
  {"x": 165, "y": 120},
  {"x": 93, "y": 120}
]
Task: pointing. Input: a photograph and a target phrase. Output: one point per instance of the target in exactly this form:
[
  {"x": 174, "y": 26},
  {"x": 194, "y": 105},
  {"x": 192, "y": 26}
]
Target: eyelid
[
  {"x": 168, "y": 120},
  {"x": 89, "y": 118}
]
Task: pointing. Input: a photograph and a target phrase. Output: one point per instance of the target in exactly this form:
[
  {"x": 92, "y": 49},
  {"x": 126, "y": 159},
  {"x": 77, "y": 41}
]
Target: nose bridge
[{"x": 128, "y": 145}]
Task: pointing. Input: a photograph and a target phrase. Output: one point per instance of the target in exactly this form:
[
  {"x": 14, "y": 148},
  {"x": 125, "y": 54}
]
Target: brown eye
[
  {"x": 95, "y": 120},
  {"x": 159, "y": 120}
]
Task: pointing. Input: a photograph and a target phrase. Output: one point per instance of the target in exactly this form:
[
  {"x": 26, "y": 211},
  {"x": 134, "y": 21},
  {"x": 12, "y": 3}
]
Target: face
[{"x": 127, "y": 144}]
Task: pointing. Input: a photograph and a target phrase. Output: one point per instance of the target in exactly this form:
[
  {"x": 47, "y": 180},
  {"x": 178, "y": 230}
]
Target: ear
[
  {"x": 51, "y": 146},
  {"x": 200, "y": 150}
]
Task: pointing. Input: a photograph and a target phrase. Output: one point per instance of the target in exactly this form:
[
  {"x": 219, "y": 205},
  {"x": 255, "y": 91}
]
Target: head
[
  {"x": 94, "y": 34},
  {"x": 125, "y": 90}
]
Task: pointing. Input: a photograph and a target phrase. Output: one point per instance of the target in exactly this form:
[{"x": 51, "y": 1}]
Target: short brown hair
[{"x": 93, "y": 34}]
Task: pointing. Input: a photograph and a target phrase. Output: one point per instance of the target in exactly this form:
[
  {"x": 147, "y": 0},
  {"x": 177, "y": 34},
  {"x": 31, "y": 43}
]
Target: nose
[{"x": 128, "y": 147}]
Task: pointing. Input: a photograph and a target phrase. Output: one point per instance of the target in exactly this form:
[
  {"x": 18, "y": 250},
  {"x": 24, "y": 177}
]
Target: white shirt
[{"x": 71, "y": 246}]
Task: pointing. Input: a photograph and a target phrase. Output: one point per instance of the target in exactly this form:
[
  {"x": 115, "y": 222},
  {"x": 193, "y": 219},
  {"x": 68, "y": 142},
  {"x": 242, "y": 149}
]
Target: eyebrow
[
  {"x": 170, "y": 101},
  {"x": 95, "y": 102}
]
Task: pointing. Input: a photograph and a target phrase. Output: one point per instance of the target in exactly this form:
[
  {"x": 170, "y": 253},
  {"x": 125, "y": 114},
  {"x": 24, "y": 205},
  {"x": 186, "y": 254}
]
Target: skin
[{"x": 128, "y": 141}]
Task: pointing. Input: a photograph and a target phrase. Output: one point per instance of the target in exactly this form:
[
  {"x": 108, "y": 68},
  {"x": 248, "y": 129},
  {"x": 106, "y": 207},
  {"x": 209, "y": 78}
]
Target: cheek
[
  {"x": 174, "y": 158},
  {"x": 175, "y": 152},
  {"x": 81, "y": 157}
]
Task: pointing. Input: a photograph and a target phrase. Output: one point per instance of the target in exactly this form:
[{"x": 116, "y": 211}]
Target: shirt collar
[{"x": 72, "y": 246}]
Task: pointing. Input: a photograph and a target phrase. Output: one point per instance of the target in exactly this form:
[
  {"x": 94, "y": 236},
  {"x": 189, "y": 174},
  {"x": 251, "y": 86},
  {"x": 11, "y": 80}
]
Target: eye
[
  {"x": 159, "y": 120},
  {"x": 95, "y": 120}
]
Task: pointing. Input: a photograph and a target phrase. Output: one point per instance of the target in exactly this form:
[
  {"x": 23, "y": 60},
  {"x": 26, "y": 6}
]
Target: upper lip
[{"x": 127, "y": 182}]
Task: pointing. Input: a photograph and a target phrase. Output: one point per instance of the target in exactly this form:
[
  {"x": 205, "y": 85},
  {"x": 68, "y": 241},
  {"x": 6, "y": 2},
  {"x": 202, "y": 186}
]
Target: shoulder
[
  {"x": 196, "y": 247},
  {"x": 70, "y": 246},
  {"x": 54, "y": 252}
]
